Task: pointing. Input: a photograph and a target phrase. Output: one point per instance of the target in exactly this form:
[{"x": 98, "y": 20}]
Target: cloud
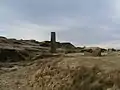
[
  {"x": 82, "y": 22},
  {"x": 28, "y": 30},
  {"x": 110, "y": 44}
]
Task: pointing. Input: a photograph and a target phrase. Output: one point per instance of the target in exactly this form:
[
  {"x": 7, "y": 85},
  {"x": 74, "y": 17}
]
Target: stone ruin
[
  {"x": 93, "y": 51},
  {"x": 53, "y": 42}
]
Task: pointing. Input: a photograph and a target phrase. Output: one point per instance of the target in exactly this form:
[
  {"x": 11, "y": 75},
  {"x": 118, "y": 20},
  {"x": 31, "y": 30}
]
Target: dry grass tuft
[{"x": 51, "y": 77}]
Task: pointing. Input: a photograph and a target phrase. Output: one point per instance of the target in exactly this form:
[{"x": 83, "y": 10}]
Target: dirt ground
[{"x": 17, "y": 76}]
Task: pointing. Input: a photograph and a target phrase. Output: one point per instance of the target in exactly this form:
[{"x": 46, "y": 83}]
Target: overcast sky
[{"x": 82, "y": 22}]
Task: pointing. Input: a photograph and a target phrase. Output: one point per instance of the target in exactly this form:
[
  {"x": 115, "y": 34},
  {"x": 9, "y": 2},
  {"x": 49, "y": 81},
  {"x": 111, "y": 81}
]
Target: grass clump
[{"x": 52, "y": 77}]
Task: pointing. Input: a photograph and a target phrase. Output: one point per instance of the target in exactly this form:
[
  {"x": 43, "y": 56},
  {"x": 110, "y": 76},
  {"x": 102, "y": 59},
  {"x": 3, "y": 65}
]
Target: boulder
[{"x": 93, "y": 52}]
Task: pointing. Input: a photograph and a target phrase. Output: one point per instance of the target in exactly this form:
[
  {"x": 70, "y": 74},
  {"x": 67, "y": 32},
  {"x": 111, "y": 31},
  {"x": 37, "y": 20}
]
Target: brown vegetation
[
  {"x": 41, "y": 70},
  {"x": 79, "y": 78}
]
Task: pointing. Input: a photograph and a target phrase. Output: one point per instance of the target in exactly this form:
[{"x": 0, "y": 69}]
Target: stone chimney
[{"x": 53, "y": 42}]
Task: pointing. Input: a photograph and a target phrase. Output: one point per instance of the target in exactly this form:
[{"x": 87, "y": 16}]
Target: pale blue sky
[{"x": 82, "y": 22}]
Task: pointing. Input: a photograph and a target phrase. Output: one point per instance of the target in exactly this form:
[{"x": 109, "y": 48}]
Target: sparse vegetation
[
  {"x": 79, "y": 78},
  {"x": 68, "y": 69}
]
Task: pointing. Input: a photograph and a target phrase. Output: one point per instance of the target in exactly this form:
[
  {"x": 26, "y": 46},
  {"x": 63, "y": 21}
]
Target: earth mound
[
  {"x": 66, "y": 45},
  {"x": 12, "y": 50},
  {"x": 13, "y": 55}
]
